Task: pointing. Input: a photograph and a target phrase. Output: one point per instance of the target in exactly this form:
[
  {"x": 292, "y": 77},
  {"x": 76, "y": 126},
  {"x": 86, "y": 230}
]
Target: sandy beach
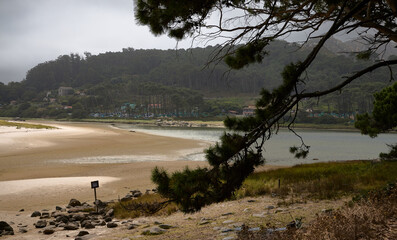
[{"x": 41, "y": 168}]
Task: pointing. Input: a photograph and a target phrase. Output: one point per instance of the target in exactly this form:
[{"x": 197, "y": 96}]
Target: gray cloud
[{"x": 32, "y": 32}]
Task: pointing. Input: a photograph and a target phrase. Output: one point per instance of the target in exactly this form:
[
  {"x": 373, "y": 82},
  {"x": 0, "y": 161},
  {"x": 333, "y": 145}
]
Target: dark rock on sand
[
  {"x": 74, "y": 202},
  {"x": 136, "y": 193},
  {"x": 165, "y": 226},
  {"x": 71, "y": 226},
  {"x": 62, "y": 218},
  {"x": 49, "y": 231},
  {"x": 83, "y": 233},
  {"x": 6, "y": 229},
  {"x": 36, "y": 214},
  {"x": 111, "y": 225},
  {"x": 89, "y": 226},
  {"x": 40, "y": 224},
  {"x": 153, "y": 231},
  {"x": 126, "y": 198}
]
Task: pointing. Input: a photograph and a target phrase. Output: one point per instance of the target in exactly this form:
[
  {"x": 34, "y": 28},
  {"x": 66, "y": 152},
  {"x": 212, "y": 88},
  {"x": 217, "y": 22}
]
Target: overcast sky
[{"x": 35, "y": 31}]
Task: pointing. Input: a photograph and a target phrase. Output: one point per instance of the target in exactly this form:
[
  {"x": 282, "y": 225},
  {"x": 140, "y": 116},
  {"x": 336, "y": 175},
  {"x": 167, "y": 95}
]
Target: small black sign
[{"x": 94, "y": 184}]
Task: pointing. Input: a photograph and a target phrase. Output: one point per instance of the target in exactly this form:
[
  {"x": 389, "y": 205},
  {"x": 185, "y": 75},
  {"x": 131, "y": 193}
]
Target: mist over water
[{"x": 324, "y": 145}]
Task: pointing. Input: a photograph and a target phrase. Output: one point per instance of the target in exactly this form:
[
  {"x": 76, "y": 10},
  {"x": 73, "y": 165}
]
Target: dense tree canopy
[
  {"x": 384, "y": 115},
  {"x": 383, "y": 118},
  {"x": 255, "y": 24}
]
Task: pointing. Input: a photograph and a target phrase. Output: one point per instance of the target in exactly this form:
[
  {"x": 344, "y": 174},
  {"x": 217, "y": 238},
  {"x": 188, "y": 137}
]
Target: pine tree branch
[{"x": 347, "y": 81}]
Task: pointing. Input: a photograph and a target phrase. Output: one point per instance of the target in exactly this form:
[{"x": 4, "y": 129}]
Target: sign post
[{"x": 95, "y": 185}]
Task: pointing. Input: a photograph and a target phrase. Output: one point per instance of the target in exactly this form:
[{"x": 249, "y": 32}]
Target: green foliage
[
  {"x": 239, "y": 124},
  {"x": 384, "y": 115},
  {"x": 113, "y": 78},
  {"x": 193, "y": 189},
  {"x": 247, "y": 54},
  {"x": 185, "y": 69},
  {"x": 321, "y": 180},
  {"x": 391, "y": 155},
  {"x": 177, "y": 18},
  {"x": 299, "y": 152},
  {"x": 364, "y": 55},
  {"x": 367, "y": 125}
]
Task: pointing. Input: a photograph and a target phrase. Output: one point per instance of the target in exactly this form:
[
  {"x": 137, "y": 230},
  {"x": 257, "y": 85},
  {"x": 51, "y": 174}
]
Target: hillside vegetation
[{"x": 178, "y": 83}]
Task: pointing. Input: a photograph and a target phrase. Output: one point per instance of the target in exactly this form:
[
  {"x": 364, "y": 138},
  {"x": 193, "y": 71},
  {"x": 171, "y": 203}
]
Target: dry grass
[
  {"x": 321, "y": 180},
  {"x": 372, "y": 217},
  {"x": 144, "y": 206}
]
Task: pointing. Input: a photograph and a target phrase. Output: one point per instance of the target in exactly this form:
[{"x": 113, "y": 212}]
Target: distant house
[
  {"x": 249, "y": 111},
  {"x": 233, "y": 112},
  {"x": 65, "y": 91},
  {"x": 81, "y": 93}
]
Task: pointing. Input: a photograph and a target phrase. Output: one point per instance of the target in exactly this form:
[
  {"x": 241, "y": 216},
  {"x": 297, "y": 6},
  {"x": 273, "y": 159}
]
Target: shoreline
[
  {"x": 218, "y": 124},
  {"x": 27, "y": 155}
]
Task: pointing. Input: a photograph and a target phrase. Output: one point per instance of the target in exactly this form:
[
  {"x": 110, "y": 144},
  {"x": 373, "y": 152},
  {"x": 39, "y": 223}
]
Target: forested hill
[
  {"x": 179, "y": 68},
  {"x": 187, "y": 68}
]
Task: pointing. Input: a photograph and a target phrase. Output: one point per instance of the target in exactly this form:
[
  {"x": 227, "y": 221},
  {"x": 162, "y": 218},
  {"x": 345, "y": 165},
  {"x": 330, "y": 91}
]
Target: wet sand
[{"x": 27, "y": 154}]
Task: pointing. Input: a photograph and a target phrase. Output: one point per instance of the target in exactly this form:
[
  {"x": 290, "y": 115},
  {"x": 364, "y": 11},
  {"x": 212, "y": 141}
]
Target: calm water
[{"x": 324, "y": 145}]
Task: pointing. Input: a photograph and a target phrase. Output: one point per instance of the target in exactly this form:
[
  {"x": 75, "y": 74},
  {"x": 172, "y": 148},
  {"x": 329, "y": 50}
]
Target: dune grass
[
  {"x": 24, "y": 125},
  {"x": 373, "y": 217},
  {"x": 146, "y": 201},
  {"x": 321, "y": 180}
]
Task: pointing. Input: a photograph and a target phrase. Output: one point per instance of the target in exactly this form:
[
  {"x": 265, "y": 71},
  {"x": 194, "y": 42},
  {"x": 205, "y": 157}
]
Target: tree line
[{"x": 111, "y": 78}]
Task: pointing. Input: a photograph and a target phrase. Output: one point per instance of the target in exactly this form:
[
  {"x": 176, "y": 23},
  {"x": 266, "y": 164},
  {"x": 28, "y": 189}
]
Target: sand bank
[
  {"x": 45, "y": 157},
  {"x": 55, "y": 185}
]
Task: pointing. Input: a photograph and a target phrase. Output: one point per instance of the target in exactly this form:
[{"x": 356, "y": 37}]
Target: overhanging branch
[{"x": 347, "y": 81}]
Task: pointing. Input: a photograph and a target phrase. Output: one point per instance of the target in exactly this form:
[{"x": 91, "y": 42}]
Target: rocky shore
[
  {"x": 80, "y": 220},
  {"x": 76, "y": 220}
]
